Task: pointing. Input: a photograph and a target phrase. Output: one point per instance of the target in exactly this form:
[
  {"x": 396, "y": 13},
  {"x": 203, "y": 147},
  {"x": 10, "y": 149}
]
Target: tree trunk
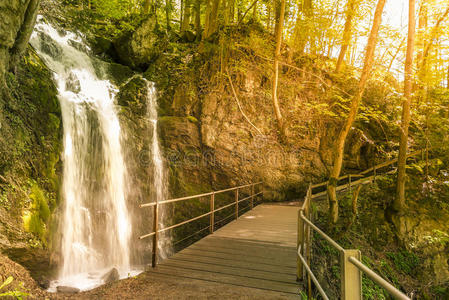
[
  {"x": 186, "y": 16},
  {"x": 247, "y": 10},
  {"x": 211, "y": 18},
  {"x": 167, "y": 13},
  {"x": 347, "y": 32},
  {"x": 198, "y": 18},
  {"x": 399, "y": 201},
  {"x": 24, "y": 34},
  {"x": 340, "y": 142},
  {"x": 269, "y": 17},
  {"x": 277, "y": 53},
  {"x": 206, "y": 17},
  {"x": 433, "y": 36},
  {"x": 231, "y": 11},
  {"x": 395, "y": 55},
  {"x": 146, "y": 7},
  {"x": 255, "y": 11}
]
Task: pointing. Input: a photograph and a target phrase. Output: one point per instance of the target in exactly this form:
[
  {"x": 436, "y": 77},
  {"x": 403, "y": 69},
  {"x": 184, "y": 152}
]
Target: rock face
[
  {"x": 137, "y": 49},
  {"x": 18, "y": 17},
  {"x": 22, "y": 280},
  {"x": 111, "y": 276},
  {"x": 30, "y": 144}
]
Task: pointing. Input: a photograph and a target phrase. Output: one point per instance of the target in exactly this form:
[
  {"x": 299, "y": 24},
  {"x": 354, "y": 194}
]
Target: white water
[
  {"x": 96, "y": 224},
  {"x": 159, "y": 178}
]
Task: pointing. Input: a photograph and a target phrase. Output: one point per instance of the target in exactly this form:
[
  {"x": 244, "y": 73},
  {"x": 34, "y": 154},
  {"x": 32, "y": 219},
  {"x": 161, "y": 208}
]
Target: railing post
[
  {"x": 155, "y": 236},
  {"x": 212, "y": 212},
  {"x": 350, "y": 188},
  {"x": 351, "y": 277},
  {"x": 300, "y": 245},
  {"x": 308, "y": 246},
  {"x": 252, "y": 196},
  {"x": 236, "y": 204}
]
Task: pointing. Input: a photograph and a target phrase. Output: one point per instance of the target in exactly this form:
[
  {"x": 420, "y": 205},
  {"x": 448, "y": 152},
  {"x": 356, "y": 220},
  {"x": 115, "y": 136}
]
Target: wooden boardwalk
[{"x": 256, "y": 252}]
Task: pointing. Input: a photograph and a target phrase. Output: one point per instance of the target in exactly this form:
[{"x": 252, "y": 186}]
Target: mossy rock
[
  {"x": 35, "y": 218},
  {"x": 133, "y": 95}
]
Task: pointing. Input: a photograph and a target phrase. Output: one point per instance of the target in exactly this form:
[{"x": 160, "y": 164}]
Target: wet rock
[
  {"x": 44, "y": 283},
  {"x": 48, "y": 46},
  {"x": 78, "y": 46},
  {"x": 111, "y": 276},
  {"x": 73, "y": 84},
  {"x": 133, "y": 95},
  {"x": 101, "y": 45},
  {"x": 67, "y": 289}
]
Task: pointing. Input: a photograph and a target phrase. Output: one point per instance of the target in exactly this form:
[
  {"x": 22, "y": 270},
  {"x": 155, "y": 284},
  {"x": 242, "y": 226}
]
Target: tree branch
[{"x": 238, "y": 104}]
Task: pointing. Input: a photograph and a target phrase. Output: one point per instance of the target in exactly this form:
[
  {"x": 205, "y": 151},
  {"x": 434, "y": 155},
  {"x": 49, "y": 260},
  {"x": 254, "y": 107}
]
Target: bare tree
[
  {"x": 399, "y": 201},
  {"x": 347, "y": 32},
  {"x": 277, "y": 53},
  {"x": 339, "y": 145}
]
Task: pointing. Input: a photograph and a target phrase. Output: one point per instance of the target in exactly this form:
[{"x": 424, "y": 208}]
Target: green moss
[
  {"x": 404, "y": 261},
  {"x": 38, "y": 215}
]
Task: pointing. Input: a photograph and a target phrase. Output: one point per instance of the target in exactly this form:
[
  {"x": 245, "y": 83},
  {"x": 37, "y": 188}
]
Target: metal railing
[
  {"x": 351, "y": 266},
  {"x": 212, "y": 210},
  {"x": 362, "y": 177}
]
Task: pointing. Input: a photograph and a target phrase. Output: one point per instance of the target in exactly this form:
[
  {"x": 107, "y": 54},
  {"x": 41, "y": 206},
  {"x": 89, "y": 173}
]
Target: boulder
[
  {"x": 188, "y": 36},
  {"x": 111, "y": 276},
  {"x": 138, "y": 49},
  {"x": 67, "y": 289},
  {"x": 44, "y": 283},
  {"x": 73, "y": 84},
  {"x": 133, "y": 95}
]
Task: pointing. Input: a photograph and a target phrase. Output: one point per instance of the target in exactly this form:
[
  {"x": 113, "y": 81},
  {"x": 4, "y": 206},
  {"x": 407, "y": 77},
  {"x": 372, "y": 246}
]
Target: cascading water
[
  {"x": 159, "y": 176},
  {"x": 96, "y": 223}
]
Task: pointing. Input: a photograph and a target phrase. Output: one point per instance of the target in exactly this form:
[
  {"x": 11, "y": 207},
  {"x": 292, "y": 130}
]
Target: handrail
[
  {"x": 374, "y": 168},
  {"x": 390, "y": 162},
  {"x": 351, "y": 273},
  {"x": 317, "y": 284},
  {"x": 379, "y": 280},
  {"x": 199, "y": 195},
  {"x": 211, "y": 213},
  {"x": 325, "y": 236}
]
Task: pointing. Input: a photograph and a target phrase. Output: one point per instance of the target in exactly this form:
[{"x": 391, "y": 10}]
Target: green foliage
[
  {"x": 406, "y": 262},
  {"x": 438, "y": 237},
  {"x": 16, "y": 293},
  {"x": 115, "y": 9},
  {"x": 37, "y": 216},
  {"x": 371, "y": 290}
]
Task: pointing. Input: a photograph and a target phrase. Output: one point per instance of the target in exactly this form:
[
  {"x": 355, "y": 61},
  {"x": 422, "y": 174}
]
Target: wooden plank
[
  {"x": 229, "y": 270},
  {"x": 230, "y": 243},
  {"x": 194, "y": 289},
  {"x": 282, "y": 261},
  {"x": 229, "y": 279},
  {"x": 236, "y": 264},
  {"x": 256, "y": 251}
]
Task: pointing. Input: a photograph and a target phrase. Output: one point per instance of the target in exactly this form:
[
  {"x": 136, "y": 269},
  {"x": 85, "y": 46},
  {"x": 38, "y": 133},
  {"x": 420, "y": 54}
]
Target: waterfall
[
  {"x": 159, "y": 176},
  {"x": 96, "y": 224}
]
